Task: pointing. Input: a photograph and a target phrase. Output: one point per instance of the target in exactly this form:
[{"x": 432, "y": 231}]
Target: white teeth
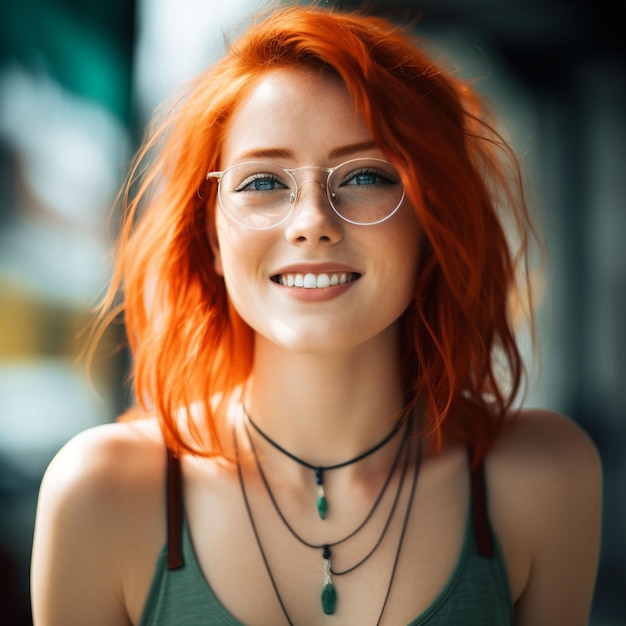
[
  {"x": 322, "y": 280},
  {"x": 315, "y": 281},
  {"x": 310, "y": 282}
]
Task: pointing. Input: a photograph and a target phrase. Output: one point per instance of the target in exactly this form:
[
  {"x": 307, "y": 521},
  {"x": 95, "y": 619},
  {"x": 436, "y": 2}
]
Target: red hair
[{"x": 190, "y": 347}]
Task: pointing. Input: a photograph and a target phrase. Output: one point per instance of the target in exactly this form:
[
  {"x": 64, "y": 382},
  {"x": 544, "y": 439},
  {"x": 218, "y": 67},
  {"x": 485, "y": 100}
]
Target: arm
[
  {"x": 76, "y": 573},
  {"x": 557, "y": 491}
]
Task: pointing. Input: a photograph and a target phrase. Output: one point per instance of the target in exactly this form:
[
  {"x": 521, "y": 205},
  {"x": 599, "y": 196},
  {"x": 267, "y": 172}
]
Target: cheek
[
  {"x": 239, "y": 252},
  {"x": 406, "y": 254},
  {"x": 404, "y": 244}
]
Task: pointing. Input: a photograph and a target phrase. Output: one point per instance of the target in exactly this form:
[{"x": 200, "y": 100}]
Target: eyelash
[
  {"x": 242, "y": 187},
  {"x": 368, "y": 171}
]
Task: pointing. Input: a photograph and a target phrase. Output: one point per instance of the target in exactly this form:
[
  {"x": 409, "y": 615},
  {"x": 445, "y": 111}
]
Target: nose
[{"x": 313, "y": 219}]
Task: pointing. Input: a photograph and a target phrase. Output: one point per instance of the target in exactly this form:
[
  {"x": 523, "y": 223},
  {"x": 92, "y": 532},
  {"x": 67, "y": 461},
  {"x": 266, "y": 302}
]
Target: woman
[{"x": 317, "y": 286}]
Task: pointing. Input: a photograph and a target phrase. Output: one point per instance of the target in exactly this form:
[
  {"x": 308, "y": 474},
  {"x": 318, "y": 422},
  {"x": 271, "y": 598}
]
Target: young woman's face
[{"x": 296, "y": 118}]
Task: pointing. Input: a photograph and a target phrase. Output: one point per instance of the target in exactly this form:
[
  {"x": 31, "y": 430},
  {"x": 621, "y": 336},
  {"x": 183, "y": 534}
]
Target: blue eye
[
  {"x": 367, "y": 177},
  {"x": 261, "y": 182}
]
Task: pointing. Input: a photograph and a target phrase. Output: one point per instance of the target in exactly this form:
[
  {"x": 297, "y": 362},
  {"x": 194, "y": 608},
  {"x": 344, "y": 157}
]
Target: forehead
[{"x": 295, "y": 113}]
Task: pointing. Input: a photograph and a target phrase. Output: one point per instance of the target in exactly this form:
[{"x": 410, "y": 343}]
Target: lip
[
  {"x": 337, "y": 279},
  {"x": 315, "y": 268},
  {"x": 303, "y": 269}
]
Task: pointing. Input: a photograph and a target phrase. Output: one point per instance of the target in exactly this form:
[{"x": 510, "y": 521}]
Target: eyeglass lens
[{"x": 261, "y": 195}]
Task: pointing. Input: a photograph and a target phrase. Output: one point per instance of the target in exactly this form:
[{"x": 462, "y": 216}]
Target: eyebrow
[
  {"x": 284, "y": 153},
  {"x": 351, "y": 149}
]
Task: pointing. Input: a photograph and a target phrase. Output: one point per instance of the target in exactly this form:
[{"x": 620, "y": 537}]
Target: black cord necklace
[
  {"x": 322, "y": 503},
  {"x": 329, "y": 594},
  {"x": 327, "y": 561},
  {"x": 255, "y": 531}
]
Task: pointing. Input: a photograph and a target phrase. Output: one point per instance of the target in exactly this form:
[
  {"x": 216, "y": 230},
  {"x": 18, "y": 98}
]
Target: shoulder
[
  {"x": 99, "y": 523},
  {"x": 107, "y": 481},
  {"x": 102, "y": 465},
  {"x": 544, "y": 450},
  {"x": 545, "y": 483}
]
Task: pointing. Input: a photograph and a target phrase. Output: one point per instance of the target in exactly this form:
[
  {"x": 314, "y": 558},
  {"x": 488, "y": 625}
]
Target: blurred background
[{"x": 79, "y": 80}]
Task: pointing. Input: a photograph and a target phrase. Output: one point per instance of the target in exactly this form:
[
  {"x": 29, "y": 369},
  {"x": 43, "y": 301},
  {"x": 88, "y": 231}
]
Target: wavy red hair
[{"x": 459, "y": 350}]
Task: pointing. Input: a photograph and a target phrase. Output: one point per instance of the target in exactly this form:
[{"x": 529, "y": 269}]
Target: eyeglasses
[{"x": 262, "y": 195}]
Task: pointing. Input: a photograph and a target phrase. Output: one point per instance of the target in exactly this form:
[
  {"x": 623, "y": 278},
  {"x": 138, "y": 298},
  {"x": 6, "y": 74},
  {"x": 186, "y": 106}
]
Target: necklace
[
  {"x": 329, "y": 594},
  {"x": 256, "y": 532},
  {"x": 326, "y": 548},
  {"x": 322, "y": 502}
]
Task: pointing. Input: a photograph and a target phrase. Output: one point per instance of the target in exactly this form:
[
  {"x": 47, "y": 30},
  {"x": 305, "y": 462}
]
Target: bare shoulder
[
  {"x": 106, "y": 470},
  {"x": 547, "y": 458},
  {"x": 543, "y": 443},
  {"x": 543, "y": 427},
  {"x": 107, "y": 458},
  {"x": 545, "y": 478},
  {"x": 99, "y": 525}
]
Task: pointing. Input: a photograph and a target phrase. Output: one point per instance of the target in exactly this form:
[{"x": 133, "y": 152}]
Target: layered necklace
[
  {"x": 322, "y": 502},
  {"x": 329, "y": 594}
]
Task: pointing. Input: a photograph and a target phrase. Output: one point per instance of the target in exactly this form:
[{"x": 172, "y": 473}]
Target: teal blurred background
[{"x": 78, "y": 83}]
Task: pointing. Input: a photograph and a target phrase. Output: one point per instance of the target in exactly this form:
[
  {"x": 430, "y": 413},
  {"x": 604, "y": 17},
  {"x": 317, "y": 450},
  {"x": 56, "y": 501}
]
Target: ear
[{"x": 215, "y": 249}]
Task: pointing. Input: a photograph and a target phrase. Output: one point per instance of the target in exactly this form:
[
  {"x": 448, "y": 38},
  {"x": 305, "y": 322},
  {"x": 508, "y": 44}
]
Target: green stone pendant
[
  {"x": 329, "y": 599},
  {"x": 322, "y": 505},
  {"x": 329, "y": 595}
]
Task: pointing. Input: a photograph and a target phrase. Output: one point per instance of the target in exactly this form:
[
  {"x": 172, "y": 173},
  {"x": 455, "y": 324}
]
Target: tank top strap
[
  {"x": 174, "y": 504},
  {"x": 480, "y": 514}
]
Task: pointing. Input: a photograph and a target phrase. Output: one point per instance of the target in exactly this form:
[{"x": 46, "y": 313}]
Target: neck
[{"x": 327, "y": 406}]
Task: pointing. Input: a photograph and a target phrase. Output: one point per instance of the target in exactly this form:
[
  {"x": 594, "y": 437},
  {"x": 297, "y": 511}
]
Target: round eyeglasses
[{"x": 262, "y": 195}]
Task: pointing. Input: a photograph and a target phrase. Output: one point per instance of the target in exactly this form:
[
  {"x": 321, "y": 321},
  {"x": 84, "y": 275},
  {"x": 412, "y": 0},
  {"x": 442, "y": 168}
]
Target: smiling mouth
[{"x": 315, "y": 281}]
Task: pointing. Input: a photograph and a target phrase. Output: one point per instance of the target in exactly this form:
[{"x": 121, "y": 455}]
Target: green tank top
[{"x": 476, "y": 594}]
